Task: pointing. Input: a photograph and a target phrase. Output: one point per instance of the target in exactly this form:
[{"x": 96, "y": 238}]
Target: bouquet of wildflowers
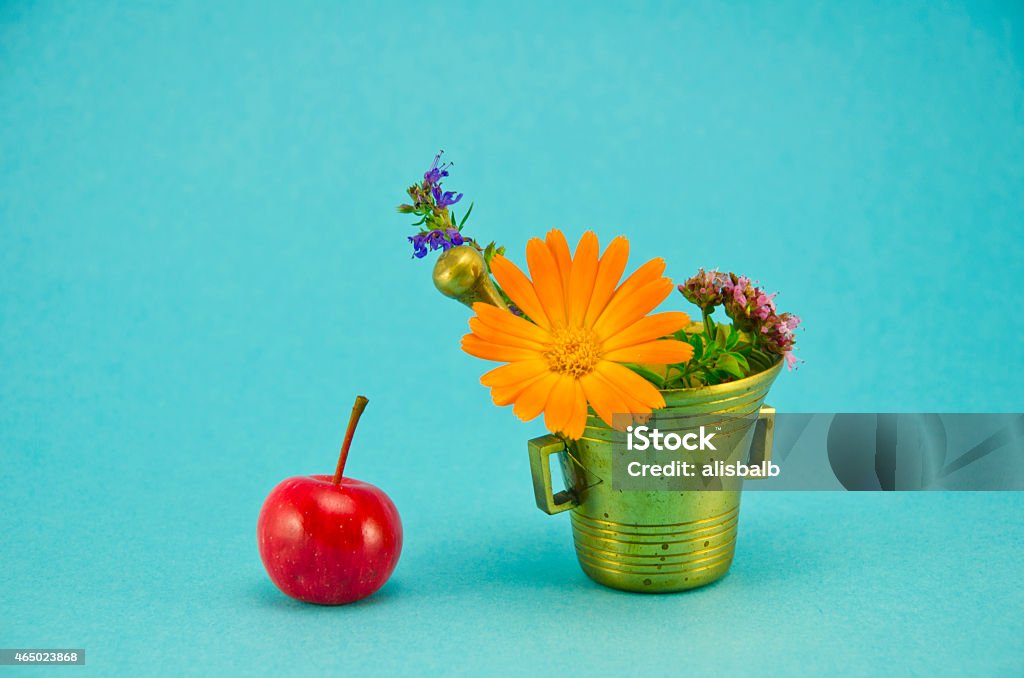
[{"x": 574, "y": 336}]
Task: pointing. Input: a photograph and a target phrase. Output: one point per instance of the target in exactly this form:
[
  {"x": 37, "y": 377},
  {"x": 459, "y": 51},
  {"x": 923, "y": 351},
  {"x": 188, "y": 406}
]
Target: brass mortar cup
[{"x": 655, "y": 542}]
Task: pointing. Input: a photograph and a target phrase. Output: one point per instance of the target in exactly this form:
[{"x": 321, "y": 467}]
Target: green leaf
[
  {"x": 734, "y": 337},
  {"x": 711, "y": 349},
  {"x": 713, "y": 377},
  {"x": 673, "y": 377},
  {"x": 721, "y": 338},
  {"x": 742, "y": 360},
  {"x": 698, "y": 347},
  {"x": 466, "y": 216},
  {"x": 652, "y": 377},
  {"x": 420, "y": 221},
  {"x": 728, "y": 364}
]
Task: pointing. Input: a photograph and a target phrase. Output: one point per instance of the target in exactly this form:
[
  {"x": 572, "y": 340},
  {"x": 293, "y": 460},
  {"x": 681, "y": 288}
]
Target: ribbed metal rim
[{"x": 763, "y": 378}]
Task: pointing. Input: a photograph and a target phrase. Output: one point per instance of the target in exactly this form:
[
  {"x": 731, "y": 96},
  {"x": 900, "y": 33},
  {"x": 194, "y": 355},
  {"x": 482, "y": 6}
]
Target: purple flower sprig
[
  {"x": 438, "y": 227},
  {"x": 437, "y": 239},
  {"x": 428, "y": 200},
  {"x": 432, "y": 204}
]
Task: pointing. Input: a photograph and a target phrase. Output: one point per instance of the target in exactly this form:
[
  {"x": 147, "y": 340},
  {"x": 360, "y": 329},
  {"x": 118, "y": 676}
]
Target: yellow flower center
[{"x": 574, "y": 352}]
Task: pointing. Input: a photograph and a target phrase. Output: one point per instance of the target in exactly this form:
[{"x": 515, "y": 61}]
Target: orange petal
[
  {"x": 624, "y": 310},
  {"x": 546, "y": 280},
  {"x": 475, "y": 346},
  {"x": 519, "y": 289},
  {"x": 651, "y": 270},
  {"x": 647, "y": 273},
  {"x": 637, "y": 411},
  {"x": 631, "y": 385},
  {"x": 519, "y": 371},
  {"x": 559, "y": 407},
  {"x": 506, "y": 395},
  {"x": 609, "y": 272},
  {"x": 500, "y": 336},
  {"x": 560, "y": 251},
  {"x": 509, "y": 322},
  {"x": 534, "y": 397},
  {"x": 647, "y": 329},
  {"x": 626, "y": 404},
  {"x": 577, "y": 421},
  {"x": 581, "y": 282},
  {"x": 665, "y": 351},
  {"x": 603, "y": 398}
]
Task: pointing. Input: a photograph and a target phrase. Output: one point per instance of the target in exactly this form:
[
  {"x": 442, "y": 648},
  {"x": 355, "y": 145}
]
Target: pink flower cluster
[
  {"x": 705, "y": 289},
  {"x": 778, "y": 335},
  {"x": 750, "y": 307},
  {"x": 745, "y": 303}
]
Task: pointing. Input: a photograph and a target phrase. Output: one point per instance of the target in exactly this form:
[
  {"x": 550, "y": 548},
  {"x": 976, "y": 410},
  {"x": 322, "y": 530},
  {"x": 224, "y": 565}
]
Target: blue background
[{"x": 200, "y": 266}]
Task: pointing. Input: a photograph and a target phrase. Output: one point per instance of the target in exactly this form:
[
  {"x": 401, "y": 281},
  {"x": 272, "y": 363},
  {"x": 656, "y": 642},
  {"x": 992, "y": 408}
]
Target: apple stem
[{"x": 357, "y": 411}]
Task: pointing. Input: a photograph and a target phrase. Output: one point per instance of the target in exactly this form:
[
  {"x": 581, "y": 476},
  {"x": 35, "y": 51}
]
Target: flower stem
[
  {"x": 709, "y": 326},
  {"x": 357, "y": 411}
]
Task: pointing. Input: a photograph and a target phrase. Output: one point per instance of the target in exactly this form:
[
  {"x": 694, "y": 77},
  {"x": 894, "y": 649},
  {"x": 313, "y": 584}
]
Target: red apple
[{"x": 329, "y": 540}]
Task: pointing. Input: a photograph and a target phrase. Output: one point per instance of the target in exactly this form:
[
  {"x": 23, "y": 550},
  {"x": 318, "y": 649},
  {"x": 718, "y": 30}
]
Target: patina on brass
[
  {"x": 654, "y": 542},
  {"x": 461, "y": 273}
]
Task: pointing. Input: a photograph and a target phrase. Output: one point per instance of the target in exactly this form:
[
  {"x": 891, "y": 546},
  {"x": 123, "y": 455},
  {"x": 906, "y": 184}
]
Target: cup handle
[
  {"x": 540, "y": 467},
  {"x": 764, "y": 435}
]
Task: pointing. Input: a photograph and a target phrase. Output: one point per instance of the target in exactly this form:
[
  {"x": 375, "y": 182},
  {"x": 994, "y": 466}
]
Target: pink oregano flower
[{"x": 751, "y": 308}]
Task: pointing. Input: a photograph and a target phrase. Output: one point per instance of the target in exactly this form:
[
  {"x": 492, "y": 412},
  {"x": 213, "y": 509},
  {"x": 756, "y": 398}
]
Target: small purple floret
[
  {"x": 443, "y": 199},
  {"x": 419, "y": 244},
  {"x": 454, "y": 236},
  {"x": 437, "y": 170}
]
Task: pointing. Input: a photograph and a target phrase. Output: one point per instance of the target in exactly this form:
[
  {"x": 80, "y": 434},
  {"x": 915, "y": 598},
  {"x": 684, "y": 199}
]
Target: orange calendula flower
[{"x": 585, "y": 325}]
